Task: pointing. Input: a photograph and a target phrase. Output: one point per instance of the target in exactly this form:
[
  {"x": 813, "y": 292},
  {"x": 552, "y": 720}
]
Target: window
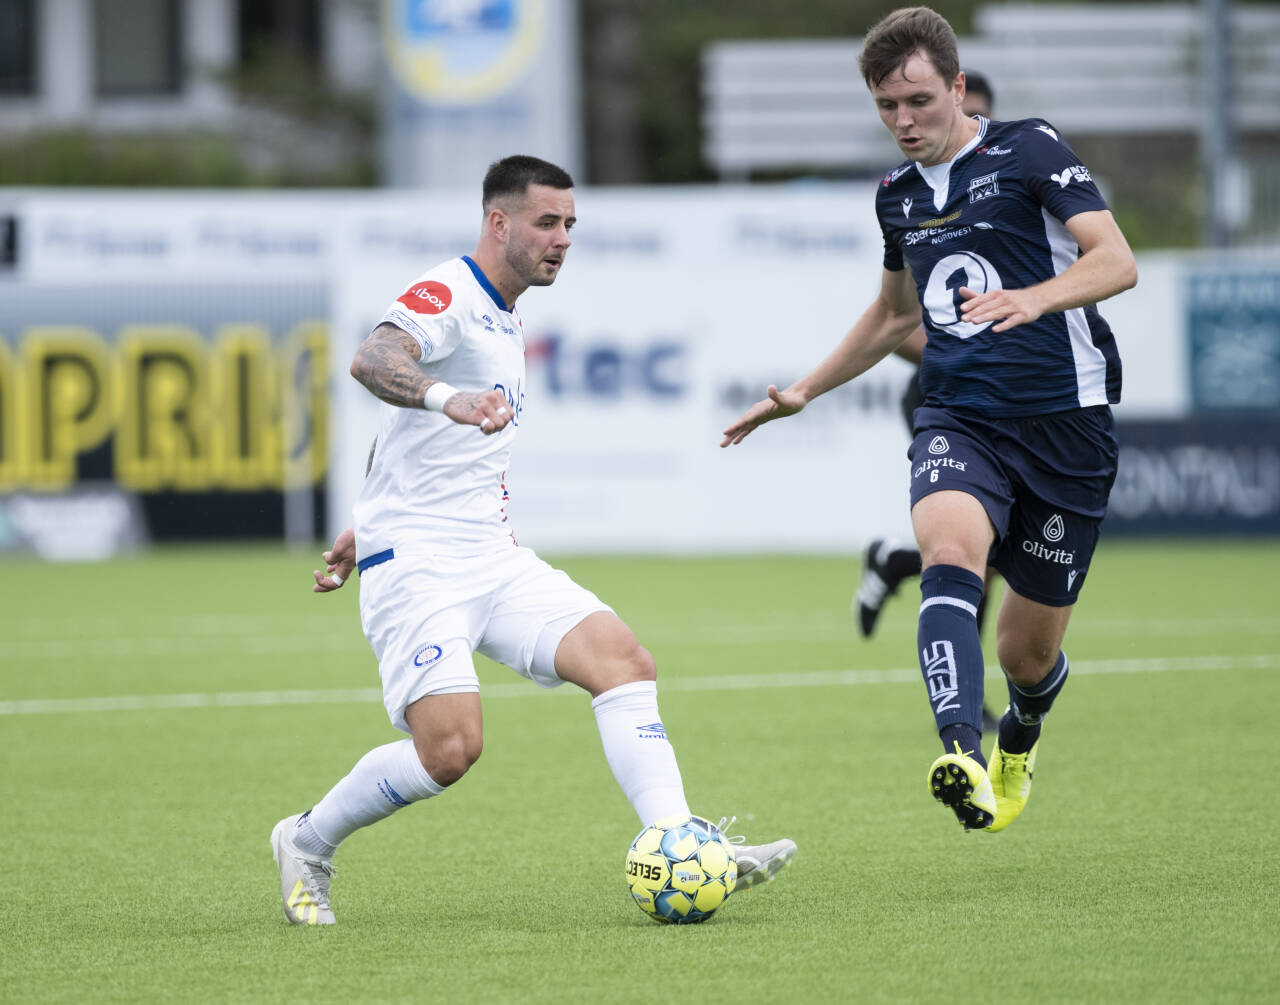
[
  {"x": 17, "y": 47},
  {"x": 137, "y": 47},
  {"x": 271, "y": 27}
]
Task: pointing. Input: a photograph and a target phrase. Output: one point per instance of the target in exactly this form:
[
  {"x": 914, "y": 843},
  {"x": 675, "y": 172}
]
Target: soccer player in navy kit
[{"x": 997, "y": 238}]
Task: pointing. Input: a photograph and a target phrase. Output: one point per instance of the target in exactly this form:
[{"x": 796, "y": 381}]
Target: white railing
[{"x": 1131, "y": 69}]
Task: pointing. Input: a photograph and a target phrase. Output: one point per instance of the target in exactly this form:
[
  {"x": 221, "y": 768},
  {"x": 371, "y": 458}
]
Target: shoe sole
[
  {"x": 952, "y": 786},
  {"x": 767, "y": 870}
]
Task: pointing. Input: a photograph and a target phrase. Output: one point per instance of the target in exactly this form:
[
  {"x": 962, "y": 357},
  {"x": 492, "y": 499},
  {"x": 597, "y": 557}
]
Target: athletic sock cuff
[
  {"x": 644, "y": 690},
  {"x": 1053, "y": 679},
  {"x": 953, "y": 585}
]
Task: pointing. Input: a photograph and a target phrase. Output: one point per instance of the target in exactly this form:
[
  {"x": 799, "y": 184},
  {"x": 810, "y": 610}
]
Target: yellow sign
[{"x": 182, "y": 412}]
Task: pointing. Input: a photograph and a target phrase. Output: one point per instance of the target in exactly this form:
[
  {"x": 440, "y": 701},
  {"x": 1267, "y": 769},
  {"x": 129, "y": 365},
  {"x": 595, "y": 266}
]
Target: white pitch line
[{"x": 729, "y": 682}]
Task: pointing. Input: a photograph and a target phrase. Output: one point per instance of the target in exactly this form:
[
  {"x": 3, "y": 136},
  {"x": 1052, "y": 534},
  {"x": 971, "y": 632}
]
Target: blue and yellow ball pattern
[{"x": 680, "y": 870}]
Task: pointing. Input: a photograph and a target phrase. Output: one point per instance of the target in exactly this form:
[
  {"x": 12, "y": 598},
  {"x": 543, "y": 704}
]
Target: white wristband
[{"x": 437, "y": 394}]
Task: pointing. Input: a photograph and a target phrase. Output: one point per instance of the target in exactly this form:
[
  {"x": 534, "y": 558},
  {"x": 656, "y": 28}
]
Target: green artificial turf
[{"x": 136, "y": 865}]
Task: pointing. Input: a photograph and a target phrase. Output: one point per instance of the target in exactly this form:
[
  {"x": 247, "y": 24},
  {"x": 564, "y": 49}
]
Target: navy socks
[
  {"x": 951, "y": 654},
  {"x": 1020, "y": 726}
]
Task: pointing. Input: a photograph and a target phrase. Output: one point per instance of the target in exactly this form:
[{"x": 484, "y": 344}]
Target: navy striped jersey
[{"x": 993, "y": 218}]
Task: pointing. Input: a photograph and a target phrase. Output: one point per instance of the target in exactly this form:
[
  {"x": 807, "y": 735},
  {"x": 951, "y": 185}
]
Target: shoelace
[{"x": 723, "y": 827}]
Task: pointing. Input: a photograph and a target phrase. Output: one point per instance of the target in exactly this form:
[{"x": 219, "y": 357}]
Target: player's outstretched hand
[
  {"x": 340, "y": 560},
  {"x": 1010, "y": 307},
  {"x": 487, "y": 409},
  {"x": 778, "y": 405}
]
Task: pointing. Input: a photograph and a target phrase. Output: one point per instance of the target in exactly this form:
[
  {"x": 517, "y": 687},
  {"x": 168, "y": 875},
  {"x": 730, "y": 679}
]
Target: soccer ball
[{"x": 681, "y": 870}]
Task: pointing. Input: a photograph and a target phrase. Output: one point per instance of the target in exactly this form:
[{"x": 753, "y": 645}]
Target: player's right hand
[
  {"x": 339, "y": 563},
  {"x": 487, "y": 409},
  {"x": 778, "y": 405}
]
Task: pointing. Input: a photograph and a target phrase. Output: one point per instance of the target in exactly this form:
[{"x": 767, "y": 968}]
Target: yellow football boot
[
  {"x": 960, "y": 783},
  {"x": 1011, "y": 782}
]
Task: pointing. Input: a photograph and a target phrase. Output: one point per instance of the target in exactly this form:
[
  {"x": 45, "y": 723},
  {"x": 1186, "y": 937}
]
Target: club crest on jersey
[
  {"x": 984, "y": 187},
  {"x": 427, "y": 655},
  {"x": 427, "y": 298}
]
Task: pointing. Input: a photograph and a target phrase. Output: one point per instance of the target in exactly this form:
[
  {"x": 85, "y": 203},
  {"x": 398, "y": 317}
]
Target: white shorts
[{"x": 425, "y": 615}]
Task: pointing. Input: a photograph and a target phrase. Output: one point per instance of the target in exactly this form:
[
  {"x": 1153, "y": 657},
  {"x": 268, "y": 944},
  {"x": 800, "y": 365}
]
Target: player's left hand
[
  {"x": 486, "y": 409},
  {"x": 1009, "y": 307},
  {"x": 340, "y": 561}
]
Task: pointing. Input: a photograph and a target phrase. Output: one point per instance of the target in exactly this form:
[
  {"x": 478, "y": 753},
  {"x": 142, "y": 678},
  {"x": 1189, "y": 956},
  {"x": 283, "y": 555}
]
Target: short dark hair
[
  {"x": 977, "y": 83},
  {"x": 898, "y": 36},
  {"x": 513, "y": 176}
]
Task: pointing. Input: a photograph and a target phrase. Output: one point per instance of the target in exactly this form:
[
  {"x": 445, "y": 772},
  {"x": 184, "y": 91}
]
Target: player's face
[
  {"x": 538, "y": 235},
  {"x": 922, "y": 111}
]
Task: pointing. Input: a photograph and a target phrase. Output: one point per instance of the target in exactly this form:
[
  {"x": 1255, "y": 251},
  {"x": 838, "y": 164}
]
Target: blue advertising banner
[
  {"x": 1205, "y": 475},
  {"x": 1233, "y": 328}
]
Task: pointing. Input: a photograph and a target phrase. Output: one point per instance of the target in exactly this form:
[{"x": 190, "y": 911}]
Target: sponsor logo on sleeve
[
  {"x": 1077, "y": 171},
  {"x": 427, "y": 298}
]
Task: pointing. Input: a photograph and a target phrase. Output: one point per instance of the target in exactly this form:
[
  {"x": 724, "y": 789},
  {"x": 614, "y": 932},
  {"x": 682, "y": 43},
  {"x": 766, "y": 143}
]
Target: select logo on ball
[{"x": 427, "y": 298}]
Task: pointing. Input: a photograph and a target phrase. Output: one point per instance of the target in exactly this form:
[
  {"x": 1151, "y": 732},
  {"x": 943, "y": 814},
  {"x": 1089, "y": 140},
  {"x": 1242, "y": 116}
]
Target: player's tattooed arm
[{"x": 387, "y": 364}]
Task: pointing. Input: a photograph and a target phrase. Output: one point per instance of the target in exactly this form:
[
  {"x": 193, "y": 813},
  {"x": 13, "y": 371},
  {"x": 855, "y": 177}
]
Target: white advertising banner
[
  {"x": 673, "y": 313},
  {"x": 675, "y": 309}
]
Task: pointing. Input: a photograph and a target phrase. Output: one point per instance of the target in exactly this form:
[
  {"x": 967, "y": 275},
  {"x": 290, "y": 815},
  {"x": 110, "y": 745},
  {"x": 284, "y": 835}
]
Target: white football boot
[
  {"x": 304, "y": 878},
  {"x": 758, "y": 863}
]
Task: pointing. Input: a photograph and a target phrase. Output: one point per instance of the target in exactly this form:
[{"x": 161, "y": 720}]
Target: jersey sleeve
[
  {"x": 1054, "y": 175},
  {"x": 423, "y": 311},
  {"x": 893, "y": 260}
]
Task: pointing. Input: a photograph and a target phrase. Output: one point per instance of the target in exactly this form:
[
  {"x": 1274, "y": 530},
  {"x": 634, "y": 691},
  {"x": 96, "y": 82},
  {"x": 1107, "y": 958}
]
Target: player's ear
[{"x": 499, "y": 223}]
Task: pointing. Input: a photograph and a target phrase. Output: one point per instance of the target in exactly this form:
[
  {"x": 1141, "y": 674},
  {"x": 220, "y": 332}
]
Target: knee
[
  {"x": 956, "y": 555},
  {"x": 1026, "y": 663},
  {"x": 450, "y": 756},
  {"x": 636, "y": 664}
]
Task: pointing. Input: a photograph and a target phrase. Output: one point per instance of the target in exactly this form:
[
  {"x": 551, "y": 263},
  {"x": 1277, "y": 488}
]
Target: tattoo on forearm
[{"x": 387, "y": 364}]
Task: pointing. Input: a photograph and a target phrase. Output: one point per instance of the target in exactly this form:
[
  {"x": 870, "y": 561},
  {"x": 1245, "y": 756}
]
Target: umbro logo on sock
[{"x": 653, "y": 731}]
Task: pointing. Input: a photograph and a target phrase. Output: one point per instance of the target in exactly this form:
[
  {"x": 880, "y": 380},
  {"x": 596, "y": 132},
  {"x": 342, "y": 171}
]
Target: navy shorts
[{"x": 1043, "y": 480}]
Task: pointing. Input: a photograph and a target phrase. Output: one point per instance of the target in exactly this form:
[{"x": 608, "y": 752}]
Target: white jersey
[{"x": 435, "y": 485}]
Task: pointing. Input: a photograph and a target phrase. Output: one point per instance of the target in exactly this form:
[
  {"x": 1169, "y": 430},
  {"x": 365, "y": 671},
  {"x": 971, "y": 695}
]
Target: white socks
[
  {"x": 637, "y": 749},
  {"x": 384, "y": 780},
  {"x": 391, "y": 776}
]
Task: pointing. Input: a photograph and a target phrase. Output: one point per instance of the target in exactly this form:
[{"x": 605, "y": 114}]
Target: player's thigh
[
  {"x": 600, "y": 653},
  {"x": 960, "y": 493},
  {"x": 1029, "y": 636},
  {"x": 534, "y": 609},
  {"x": 422, "y": 629},
  {"x": 952, "y": 528}
]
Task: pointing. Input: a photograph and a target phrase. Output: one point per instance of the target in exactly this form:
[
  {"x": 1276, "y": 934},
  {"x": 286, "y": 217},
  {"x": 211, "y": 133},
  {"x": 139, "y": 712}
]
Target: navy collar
[{"x": 487, "y": 286}]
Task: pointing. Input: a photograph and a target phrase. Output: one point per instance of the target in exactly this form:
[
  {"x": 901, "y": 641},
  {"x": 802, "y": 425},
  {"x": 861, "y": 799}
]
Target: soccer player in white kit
[{"x": 441, "y": 573}]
